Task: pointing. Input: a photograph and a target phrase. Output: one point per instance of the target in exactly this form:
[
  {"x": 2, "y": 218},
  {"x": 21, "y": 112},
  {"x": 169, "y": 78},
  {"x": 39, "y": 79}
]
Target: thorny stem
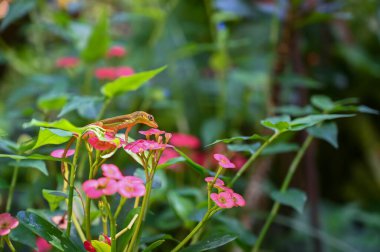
[
  {"x": 253, "y": 158},
  {"x": 207, "y": 216},
  {"x": 71, "y": 188},
  {"x": 284, "y": 187}
]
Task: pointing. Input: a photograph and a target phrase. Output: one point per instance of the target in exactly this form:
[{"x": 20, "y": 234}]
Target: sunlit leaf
[
  {"x": 327, "y": 131},
  {"x": 292, "y": 197},
  {"x": 51, "y": 136},
  {"x": 129, "y": 83},
  {"x": 62, "y": 124},
  {"x": 277, "y": 124},
  {"x": 98, "y": 42},
  {"x": 35, "y": 164},
  {"x": 43, "y": 228},
  {"x": 311, "y": 120},
  {"x": 53, "y": 198},
  {"x": 254, "y": 137}
]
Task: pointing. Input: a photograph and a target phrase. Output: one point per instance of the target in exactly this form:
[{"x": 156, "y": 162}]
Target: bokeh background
[{"x": 230, "y": 64}]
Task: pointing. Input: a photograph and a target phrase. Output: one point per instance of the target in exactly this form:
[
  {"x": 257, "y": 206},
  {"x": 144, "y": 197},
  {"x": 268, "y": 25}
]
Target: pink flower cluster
[
  {"x": 7, "y": 222},
  {"x": 112, "y": 73},
  {"x": 224, "y": 161},
  {"x": 226, "y": 197},
  {"x": 142, "y": 145},
  {"x": 113, "y": 182}
]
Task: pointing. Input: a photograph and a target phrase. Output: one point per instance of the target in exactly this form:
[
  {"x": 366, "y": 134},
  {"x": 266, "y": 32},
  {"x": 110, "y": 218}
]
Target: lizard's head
[{"x": 145, "y": 118}]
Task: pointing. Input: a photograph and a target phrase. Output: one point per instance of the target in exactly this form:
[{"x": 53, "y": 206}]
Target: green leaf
[
  {"x": 43, "y": 228},
  {"x": 100, "y": 246},
  {"x": 51, "y": 136},
  {"x": 292, "y": 80},
  {"x": 33, "y": 156},
  {"x": 171, "y": 161},
  {"x": 196, "y": 167},
  {"x": 52, "y": 102},
  {"x": 211, "y": 243},
  {"x": 294, "y": 110},
  {"x": 327, "y": 131},
  {"x": 211, "y": 129},
  {"x": 153, "y": 245},
  {"x": 129, "y": 83},
  {"x": 236, "y": 227},
  {"x": 254, "y": 137},
  {"x": 277, "y": 124},
  {"x": 53, "y": 198},
  {"x": 24, "y": 236},
  {"x": 322, "y": 102},
  {"x": 251, "y": 148},
  {"x": 98, "y": 42},
  {"x": 365, "y": 109},
  {"x": 183, "y": 206},
  {"x": 292, "y": 197},
  {"x": 311, "y": 120},
  {"x": 62, "y": 124},
  {"x": 36, "y": 164},
  {"x": 17, "y": 10},
  {"x": 281, "y": 147},
  {"x": 87, "y": 106}
]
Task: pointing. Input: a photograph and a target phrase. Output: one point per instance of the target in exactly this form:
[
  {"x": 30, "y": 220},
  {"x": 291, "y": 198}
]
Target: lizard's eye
[{"x": 150, "y": 118}]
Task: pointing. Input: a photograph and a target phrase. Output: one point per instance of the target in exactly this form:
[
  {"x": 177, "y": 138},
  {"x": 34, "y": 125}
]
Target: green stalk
[
  {"x": 71, "y": 188},
  {"x": 12, "y": 187},
  {"x": 120, "y": 206},
  {"x": 253, "y": 158},
  {"x": 143, "y": 210},
  {"x": 284, "y": 187},
  {"x": 207, "y": 216},
  {"x": 112, "y": 224},
  {"x": 9, "y": 243}
]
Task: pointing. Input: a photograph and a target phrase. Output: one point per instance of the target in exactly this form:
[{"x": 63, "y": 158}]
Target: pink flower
[
  {"x": 151, "y": 131},
  {"x": 130, "y": 189},
  {"x": 110, "y": 142},
  {"x": 218, "y": 181},
  {"x": 116, "y": 51},
  {"x": 67, "y": 62},
  {"x": 60, "y": 221},
  {"x": 124, "y": 71},
  {"x": 7, "y": 222},
  {"x": 223, "y": 199},
  {"x": 97, "y": 188},
  {"x": 59, "y": 153},
  {"x": 238, "y": 199},
  {"x": 223, "y": 161},
  {"x": 143, "y": 145},
  {"x": 42, "y": 245},
  {"x": 184, "y": 140},
  {"x": 223, "y": 188},
  {"x": 111, "y": 171},
  {"x": 133, "y": 180},
  {"x": 105, "y": 73}
]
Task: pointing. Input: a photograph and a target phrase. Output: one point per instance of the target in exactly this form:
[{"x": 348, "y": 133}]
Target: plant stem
[
  {"x": 253, "y": 158},
  {"x": 78, "y": 228},
  {"x": 9, "y": 243},
  {"x": 284, "y": 187},
  {"x": 103, "y": 109},
  {"x": 71, "y": 188},
  {"x": 112, "y": 224},
  {"x": 120, "y": 206},
  {"x": 143, "y": 210},
  {"x": 12, "y": 187},
  {"x": 195, "y": 230}
]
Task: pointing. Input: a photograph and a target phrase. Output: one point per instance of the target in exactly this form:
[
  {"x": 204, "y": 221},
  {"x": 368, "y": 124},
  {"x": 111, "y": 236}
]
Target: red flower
[
  {"x": 116, "y": 51},
  {"x": 185, "y": 140},
  {"x": 67, "y": 62},
  {"x": 42, "y": 245},
  {"x": 88, "y": 246},
  {"x": 105, "y": 73},
  {"x": 124, "y": 71}
]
